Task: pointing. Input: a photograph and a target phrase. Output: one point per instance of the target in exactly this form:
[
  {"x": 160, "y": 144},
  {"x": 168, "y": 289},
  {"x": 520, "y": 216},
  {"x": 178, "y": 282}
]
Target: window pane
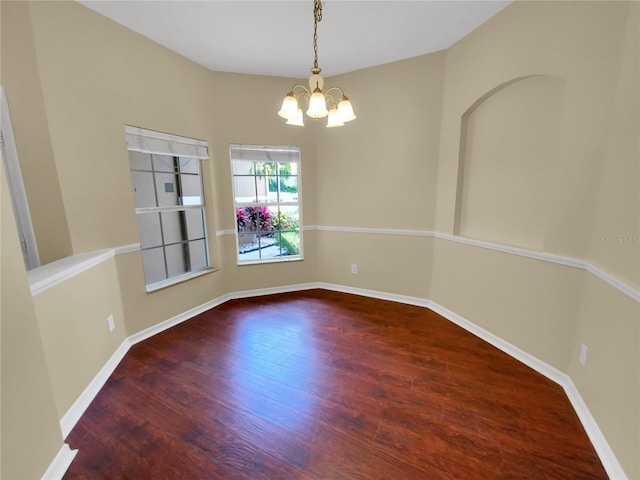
[
  {"x": 143, "y": 192},
  {"x": 195, "y": 223},
  {"x": 176, "y": 259},
  {"x": 287, "y": 219},
  {"x": 245, "y": 189},
  {"x": 270, "y": 220},
  {"x": 289, "y": 189},
  {"x": 163, "y": 163},
  {"x": 242, "y": 168},
  {"x": 153, "y": 264},
  {"x": 272, "y": 182},
  {"x": 172, "y": 227},
  {"x": 140, "y": 161},
  {"x": 189, "y": 165},
  {"x": 166, "y": 188},
  {"x": 149, "y": 230},
  {"x": 289, "y": 243},
  {"x": 191, "y": 190},
  {"x": 262, "y": 188},
  {"x": 287, "y": 168},
  {"x": 254, "y": 219},
  {"x": 198, "y": 255},
  {"x": 247, "y": 241}
]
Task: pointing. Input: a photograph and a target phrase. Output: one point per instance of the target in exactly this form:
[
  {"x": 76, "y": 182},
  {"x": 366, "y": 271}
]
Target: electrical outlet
[
  {"x": 354, "y": 268},
  {"x": 110, "y": 323},
  {"x": 583, "y": 354}
]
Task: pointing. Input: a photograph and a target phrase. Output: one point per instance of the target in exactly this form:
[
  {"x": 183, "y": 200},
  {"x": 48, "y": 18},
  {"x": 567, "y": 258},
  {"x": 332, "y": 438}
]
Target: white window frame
[
  {"x": 153, "y": 142},
  {"x": 267, "y": 154}
]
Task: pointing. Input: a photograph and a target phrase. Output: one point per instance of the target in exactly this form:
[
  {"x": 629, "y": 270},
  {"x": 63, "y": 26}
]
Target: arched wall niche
[{"x": 509, "y": 142}]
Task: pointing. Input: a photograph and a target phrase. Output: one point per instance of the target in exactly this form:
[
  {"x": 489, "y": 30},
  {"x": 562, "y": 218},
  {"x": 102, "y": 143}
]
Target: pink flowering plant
[{"x": 253, "y": 219}]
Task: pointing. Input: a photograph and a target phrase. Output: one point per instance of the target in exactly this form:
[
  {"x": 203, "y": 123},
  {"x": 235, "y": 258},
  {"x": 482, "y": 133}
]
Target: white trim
[
  {"x": 150, "y": 141},
  {"x": 274, "y": 290},
  {"x": 124, "y": 249},
  {"x": 15, "y": 182},
  {"x": 604, "y": 451},
  {"x": 168, "y": 282},
  {"x": 69, "y": 419},
  {"x": 614, "y": 282},
  {"x": 620, "y": 285},
  {"x": 182, "y": 317},
  {"x": 521, "y": 252},
  {"x": 60, "y": 463},
  {"x": 52, "y": 274},
  {"x": 600, "y": 444},
  {"x": 173, "y": 321},
  {"x": 373, "y": 231},
  {"x": 539, "y": 366}
]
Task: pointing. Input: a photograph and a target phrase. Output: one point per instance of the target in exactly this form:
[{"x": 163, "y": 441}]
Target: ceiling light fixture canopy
[{"x": 339, "y": 112}]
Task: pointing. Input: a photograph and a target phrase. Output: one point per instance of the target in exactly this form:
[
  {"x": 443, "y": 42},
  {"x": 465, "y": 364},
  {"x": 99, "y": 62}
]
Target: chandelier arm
[
  {"x": 335, "y": 88},
  {"x": 306, "y": 90},
  {"x": 328, "y": 96}
]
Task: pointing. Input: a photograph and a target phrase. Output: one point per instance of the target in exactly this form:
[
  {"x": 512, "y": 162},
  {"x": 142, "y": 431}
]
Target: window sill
[
  {"x": 269, "y": 260},
  {"x": 153, "y": 287}
]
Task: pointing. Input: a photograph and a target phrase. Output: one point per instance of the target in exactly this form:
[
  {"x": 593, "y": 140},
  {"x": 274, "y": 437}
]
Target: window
[
  {"x": 169, "y": 200},
  {"x": 266, "y": 192}
]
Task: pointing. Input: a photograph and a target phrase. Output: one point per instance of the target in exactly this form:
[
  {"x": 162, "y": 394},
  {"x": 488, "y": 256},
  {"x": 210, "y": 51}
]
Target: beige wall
[
  {"x": 380, "y": 171},
  {"x": 610, "y": 380},
  {"x": 509, "y": 146},
  {"x": 21, "y": 80},
  {"x": 396, "y": 167},
  {"x": 588, "y": 198},
  {"x": 579, "y": 42},
  {"x": 72, "y": 318},
  {"x": 615, "y": 236},
  {"x": 29, "y": 422}
]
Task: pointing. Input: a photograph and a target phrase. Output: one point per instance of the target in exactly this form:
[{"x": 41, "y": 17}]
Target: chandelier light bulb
[
  {"x": 317, "y": 105},
  {"x": 345, "y": 110},
  {"x": 298, "y": 120},
  {"x": 289, "y": 107},
  {"x": 334, "y": 118}
]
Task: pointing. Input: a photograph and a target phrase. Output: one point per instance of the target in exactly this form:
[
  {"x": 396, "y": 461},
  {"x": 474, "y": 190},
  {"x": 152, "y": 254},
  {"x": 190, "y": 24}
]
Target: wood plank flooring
[{"x": 326, "y": 385}]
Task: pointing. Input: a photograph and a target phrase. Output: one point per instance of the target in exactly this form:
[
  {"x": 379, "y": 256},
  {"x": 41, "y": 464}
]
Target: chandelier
[{"x": 317, "y": 99}]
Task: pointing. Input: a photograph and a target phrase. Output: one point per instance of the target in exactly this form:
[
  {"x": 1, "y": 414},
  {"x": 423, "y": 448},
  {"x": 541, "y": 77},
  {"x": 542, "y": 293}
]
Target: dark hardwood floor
[{"x": 325, "y": 385}]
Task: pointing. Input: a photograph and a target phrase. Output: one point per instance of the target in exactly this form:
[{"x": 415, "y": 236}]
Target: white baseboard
[
  {"x": 165, "y": 325},
  {"x": 69, "y": 420},
  {"x": 604, "y": 451},
  {"x": 600, "y": 444},
  {"x": 60, "y": 464}
]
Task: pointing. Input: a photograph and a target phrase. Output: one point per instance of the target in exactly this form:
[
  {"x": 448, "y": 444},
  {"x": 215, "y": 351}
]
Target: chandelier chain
[{"x": 317, "y": 18}]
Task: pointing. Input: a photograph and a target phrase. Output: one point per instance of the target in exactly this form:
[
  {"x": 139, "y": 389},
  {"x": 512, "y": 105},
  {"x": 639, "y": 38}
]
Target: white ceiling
[{"x": 276, "y": 37}]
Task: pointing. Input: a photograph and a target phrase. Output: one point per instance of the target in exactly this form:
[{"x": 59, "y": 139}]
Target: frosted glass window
[
  {"x": 176, "y": 260},
  {"x": 172, "y": 227},
  {"x": 169, "y": 202},
  {"x": 198, "y": 254},
  {"x": 144, "y": 192},
  {"x": 149, "y": 230},
  {"x": 195, "y": 224},
  {"x": 153, "y": 264}
]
